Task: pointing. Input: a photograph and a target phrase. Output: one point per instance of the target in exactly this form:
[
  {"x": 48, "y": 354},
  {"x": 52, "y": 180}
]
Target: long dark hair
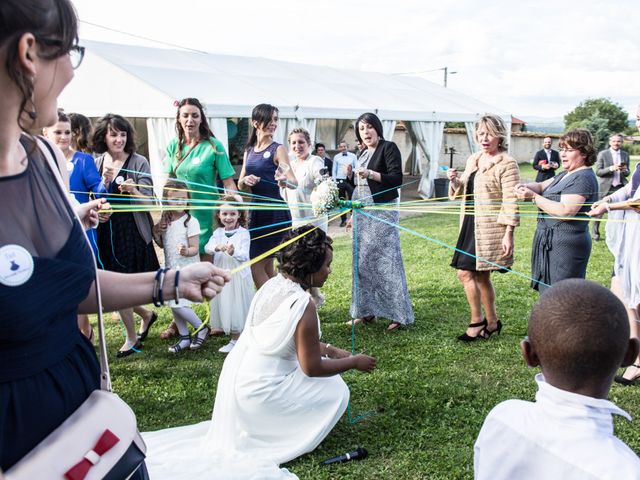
[
  {"x": 373, "y": 120},
  {"x": 53, "y": 23},
  {"x": 81, "y": 132},
  {"x": 261, "y": 114},
  {"x": 204, "y": 130},
  {"x": 113, "y": 122}
]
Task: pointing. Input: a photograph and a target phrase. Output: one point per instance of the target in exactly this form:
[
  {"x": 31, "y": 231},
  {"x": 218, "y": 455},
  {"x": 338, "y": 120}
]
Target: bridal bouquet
[{"x": 324, "y": 197}]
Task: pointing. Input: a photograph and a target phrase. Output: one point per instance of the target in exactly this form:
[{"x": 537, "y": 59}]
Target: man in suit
[
  {"x": 612, "y": 169},
  {"x": 546, "y": 161},
  {"x": 321, "y": 152},
  {"x": 344, "y": 163}
]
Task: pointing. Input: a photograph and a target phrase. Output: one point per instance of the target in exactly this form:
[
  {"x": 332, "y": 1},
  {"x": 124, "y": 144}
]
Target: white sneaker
[{"x": 228, "y": 347}]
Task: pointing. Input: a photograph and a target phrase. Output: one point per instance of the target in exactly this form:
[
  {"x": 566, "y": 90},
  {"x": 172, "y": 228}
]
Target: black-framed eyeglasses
[{"x": 76, "y": 52}]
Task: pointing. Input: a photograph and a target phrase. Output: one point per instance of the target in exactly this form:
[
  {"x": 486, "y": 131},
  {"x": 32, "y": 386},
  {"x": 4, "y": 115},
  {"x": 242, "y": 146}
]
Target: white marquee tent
[{"x": 144, "y": 82}]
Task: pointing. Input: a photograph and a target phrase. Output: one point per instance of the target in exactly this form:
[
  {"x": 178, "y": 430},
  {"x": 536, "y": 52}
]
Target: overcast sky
[{"x": 532, "y": 58}]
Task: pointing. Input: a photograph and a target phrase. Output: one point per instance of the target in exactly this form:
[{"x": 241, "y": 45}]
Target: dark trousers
[
  {"x": 345, "y": 189},
  {"x": 595, "y": 226}
]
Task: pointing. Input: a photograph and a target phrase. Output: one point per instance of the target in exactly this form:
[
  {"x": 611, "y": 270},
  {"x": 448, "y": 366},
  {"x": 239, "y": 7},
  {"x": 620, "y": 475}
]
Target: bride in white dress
[{"x": 279, "y": 393}]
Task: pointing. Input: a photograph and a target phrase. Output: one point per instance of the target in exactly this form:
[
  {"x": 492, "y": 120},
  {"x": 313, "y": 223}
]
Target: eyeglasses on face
[{"x": 76, "y": 52}]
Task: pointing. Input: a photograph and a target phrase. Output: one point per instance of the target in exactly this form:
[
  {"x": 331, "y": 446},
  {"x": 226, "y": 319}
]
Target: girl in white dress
[
  {"x": 229, "y": 246},
  {"x": 178, "y": 233},
  {"x": 279, "y": 393}
]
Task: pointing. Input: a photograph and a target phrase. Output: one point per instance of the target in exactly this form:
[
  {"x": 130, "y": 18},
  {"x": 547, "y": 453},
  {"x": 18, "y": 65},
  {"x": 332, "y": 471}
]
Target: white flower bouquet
[{"x": 325, "y": 197}]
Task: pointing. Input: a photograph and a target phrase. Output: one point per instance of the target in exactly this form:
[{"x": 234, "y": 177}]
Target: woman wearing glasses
[
  {"x": 562, "y": 244},
  {"x": 47, "y": 273}
]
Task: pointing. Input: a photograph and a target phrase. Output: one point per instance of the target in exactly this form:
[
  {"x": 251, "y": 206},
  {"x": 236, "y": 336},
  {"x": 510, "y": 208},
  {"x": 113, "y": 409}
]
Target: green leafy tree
[{"x": 604, "y": 108}]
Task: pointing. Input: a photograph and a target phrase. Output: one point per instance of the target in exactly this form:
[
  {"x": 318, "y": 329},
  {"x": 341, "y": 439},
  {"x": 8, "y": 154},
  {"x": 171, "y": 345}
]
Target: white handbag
[{"x": 100, "y": 440}]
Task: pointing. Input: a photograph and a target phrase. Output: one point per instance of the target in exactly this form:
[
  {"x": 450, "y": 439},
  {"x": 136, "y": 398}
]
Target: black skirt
[{"x": 122, "y": 248}]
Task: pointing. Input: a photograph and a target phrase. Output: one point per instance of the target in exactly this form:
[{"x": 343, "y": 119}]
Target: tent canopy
[{"x": 145, "y": 82}]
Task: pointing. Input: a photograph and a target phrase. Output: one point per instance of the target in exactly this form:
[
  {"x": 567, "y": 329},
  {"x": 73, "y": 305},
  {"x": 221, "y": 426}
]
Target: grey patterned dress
[
  {"x": 561, "y": 248},
  {"x": 379, "y": 283}
]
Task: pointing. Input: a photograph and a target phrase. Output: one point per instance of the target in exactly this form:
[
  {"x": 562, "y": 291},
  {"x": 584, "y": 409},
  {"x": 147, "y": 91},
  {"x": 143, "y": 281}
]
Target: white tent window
[
  {"x": 471, "y": 136},
  {"x": 429, "y": 138},
  {"x": 388, "y": 127}
]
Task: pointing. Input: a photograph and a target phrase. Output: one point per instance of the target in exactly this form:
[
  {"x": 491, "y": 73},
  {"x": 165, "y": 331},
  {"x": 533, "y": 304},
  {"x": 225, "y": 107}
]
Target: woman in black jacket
[{"x": 379, "y": 282}]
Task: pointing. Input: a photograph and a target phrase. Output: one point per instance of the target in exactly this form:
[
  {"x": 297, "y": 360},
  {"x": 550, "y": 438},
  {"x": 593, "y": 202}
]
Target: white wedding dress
[{"x": 266, "y": 412}]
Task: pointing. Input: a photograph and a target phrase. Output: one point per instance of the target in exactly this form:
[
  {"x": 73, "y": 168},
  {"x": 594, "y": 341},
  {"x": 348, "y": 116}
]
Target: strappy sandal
[
  {"x": 468, "y": 338},
  {"x": 357, "y": 321},
  {"x": 178, "y": 346},
  {"x": 393, "y": 326},
  {"x": 170, "y": 332},
  {"x": 197, "y": 340}
]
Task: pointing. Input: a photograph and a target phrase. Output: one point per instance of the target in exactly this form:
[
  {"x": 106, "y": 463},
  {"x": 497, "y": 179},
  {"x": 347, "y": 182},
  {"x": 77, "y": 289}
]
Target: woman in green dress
[{"x": 198, "y": 158}]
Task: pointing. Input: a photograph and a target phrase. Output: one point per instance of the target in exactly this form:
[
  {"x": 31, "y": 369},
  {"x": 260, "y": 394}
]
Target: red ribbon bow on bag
[{"x": 104, "y": 444}]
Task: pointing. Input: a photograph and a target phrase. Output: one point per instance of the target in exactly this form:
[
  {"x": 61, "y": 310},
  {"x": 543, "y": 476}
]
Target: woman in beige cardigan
[{"x": 488, "y": 215}]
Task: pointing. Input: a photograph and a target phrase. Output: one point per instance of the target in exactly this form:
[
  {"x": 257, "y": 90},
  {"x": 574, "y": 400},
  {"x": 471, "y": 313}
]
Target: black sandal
[
  {"x": 197, "y": 340},
  {"x": 628, "y": 381},
  {"x": 176, "y": 347},
  {"x": 468, "y": 338}
]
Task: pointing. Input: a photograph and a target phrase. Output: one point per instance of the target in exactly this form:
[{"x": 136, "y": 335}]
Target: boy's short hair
[{"x": 579, "y": 330}]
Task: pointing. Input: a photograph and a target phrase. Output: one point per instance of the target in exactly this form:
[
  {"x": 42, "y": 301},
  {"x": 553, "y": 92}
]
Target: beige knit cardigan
[{"x": 495, "y": 206}]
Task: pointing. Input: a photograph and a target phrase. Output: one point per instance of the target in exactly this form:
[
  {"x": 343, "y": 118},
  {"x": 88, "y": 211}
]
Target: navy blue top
[
  {"x": 263, "y": 222},
  {"x": 582, "y": 183},
  {"x": 47, "y": 368}
]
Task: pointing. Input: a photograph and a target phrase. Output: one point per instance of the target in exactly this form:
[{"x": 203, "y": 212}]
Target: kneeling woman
[{"x": 278, "y": 395}]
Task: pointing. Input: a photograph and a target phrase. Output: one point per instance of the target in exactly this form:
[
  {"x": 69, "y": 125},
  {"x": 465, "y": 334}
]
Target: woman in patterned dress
[{"x": 379, "y": 286}]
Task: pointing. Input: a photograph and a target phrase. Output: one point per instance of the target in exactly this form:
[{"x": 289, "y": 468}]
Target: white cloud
[{"x": 531, "y": 57}]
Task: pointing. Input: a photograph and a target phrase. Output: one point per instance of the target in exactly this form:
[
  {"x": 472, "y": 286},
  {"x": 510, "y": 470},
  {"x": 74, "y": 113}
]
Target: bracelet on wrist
[{"x": 156, "y": 296}]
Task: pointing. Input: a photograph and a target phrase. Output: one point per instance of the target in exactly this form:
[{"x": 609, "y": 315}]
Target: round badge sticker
[
  {"x": 195, "y": 161},
  {"x": 16, "y": 265},
  {"x": 69, "y": 166},
  {"x": 119, "y": 180},
  {"x": 266, "y": 154}
]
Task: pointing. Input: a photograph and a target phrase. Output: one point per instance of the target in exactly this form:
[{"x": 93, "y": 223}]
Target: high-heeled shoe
[
  {"x": 486, "y": 333},
  {"x": 142, "y": 335},
  {"x": 468, "y": 338}
]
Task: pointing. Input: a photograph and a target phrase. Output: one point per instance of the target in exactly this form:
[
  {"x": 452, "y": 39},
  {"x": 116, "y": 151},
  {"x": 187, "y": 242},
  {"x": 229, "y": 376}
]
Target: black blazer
[
  {"x": 545, "y": 174},
  {"x": 387, "y": 161}
]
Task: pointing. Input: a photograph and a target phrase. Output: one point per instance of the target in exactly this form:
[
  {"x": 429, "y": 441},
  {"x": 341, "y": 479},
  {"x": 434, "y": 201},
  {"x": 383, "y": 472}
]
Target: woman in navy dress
[
  {"x": 47, "y": 368},
  {"x": 265, "y": 169}
]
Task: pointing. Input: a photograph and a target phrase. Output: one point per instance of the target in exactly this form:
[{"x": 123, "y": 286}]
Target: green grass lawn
[{"x": 430, "y": 392}]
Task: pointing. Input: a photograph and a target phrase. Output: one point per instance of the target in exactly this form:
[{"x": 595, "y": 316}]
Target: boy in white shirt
[{"x": 579, "y": 336}]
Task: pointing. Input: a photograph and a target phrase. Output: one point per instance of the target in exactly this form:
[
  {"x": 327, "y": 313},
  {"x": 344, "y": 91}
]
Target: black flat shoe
[
  {"x": 143, "y": 335},
  {"x": 125, "y": 353},
  {"x": 468, "y": 338},
  {"x": 486, "y": 333},
  {"x": 627, "y": 382}
]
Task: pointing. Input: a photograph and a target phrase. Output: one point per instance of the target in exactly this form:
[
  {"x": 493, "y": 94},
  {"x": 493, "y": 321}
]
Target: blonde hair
[
  {"x": 233, "y": 200},
  {"x": 302, "y": 131},
  {"x": 496, "y": 128}
]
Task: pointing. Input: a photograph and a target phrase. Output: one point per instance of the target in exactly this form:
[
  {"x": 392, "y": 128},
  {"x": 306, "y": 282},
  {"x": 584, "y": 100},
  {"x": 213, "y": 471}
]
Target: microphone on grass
[{"x": 359, "y": 454}]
